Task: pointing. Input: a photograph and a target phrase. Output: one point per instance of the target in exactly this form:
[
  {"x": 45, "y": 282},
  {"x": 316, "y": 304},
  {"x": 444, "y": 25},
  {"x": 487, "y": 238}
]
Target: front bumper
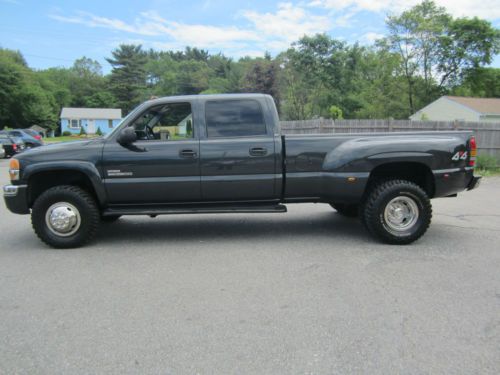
[
  {"x": 16, "y": 198},
  {"x": 474, "y": 183}
]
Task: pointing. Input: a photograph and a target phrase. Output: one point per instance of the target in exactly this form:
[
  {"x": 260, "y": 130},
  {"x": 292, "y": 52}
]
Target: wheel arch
[
  {"x": 417, "y": 172},
  {"x": 41, "y": 177}
]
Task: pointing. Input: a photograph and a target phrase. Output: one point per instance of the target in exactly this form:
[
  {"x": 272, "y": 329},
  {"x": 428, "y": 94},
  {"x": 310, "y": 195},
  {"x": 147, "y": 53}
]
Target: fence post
[{"x": 390, "y": 125}]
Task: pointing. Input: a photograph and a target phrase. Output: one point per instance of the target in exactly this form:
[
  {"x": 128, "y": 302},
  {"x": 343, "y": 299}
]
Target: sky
[{"x": 55, "y": 33}]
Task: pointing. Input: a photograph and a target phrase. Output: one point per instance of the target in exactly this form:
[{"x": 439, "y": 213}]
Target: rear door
[
  {"x": 238, "y": 156},
  {"x": 163, "y": 165}
]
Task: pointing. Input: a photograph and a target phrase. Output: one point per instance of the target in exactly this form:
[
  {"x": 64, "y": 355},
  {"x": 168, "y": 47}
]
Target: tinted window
[{"x": 234, "y": 118}]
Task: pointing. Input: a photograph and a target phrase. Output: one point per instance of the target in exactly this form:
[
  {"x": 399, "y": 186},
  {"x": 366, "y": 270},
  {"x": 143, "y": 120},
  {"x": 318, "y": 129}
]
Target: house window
[
  {"x": 74, "y": 124},
  {"x": 110, "y": 124}
]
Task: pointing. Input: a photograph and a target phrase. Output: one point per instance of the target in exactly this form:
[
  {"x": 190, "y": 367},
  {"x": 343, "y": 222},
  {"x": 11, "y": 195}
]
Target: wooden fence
[{"x": 487, "y": 133}]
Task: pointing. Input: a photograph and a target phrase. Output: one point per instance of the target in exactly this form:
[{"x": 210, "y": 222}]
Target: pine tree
[{"x": 128, "y": 77}]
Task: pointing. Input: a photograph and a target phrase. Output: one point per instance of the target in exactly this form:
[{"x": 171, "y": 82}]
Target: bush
[
  {"x": 335, "y": 113},
  {"x": 487, "y": 162},
  {"x": 82, "y": 131},
  {"x": 98, "y": 132},
  {"x": 66, "y": 133}
]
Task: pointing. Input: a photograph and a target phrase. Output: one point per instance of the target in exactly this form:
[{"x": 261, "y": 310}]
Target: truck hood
[{"x": 64, "y": 150}]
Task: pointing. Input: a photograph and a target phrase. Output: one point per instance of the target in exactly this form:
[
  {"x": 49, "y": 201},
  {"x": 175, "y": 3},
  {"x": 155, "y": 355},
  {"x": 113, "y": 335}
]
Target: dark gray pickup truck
[{"x": 224, "y": 154}]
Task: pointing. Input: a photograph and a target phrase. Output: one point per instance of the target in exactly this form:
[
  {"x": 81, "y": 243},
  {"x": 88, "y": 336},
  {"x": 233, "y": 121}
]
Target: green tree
[
  {"x": 481, "y": 82},
  {"x": 262, "y": 77},
  {"x": 437, "y": 50},
  {"x": 24, "y": 102},
  {"x": 128, "y": 77},
  {"x": 467, "y": 45}
]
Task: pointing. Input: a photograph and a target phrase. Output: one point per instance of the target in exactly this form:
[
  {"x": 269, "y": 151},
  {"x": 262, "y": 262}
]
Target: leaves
[{"x": 427, "y": 53}]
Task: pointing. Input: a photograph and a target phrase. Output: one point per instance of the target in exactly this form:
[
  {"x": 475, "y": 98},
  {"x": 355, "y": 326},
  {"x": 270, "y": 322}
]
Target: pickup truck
[{"x": 226, "y": 154}]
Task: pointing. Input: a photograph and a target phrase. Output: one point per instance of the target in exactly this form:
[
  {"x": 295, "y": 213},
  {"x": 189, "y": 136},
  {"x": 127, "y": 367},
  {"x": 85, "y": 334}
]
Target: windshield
[{"x": 130, "y": 115}]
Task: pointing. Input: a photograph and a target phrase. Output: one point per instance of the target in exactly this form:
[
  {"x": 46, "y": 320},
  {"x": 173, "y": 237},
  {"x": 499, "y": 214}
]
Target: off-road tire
[
  {"x": 82, "y": 200},
  {"x": 376, "y": 201},
  {"x": 345, "y": 209}
]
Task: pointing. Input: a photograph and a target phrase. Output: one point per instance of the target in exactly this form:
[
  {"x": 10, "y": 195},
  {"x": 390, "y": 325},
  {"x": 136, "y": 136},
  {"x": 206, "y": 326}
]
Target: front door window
[{"x": 172, "y": 121}]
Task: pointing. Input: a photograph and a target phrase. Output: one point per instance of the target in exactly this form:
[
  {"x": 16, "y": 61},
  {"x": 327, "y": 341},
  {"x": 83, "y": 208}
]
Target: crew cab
[{"x": 225, "y": 154}]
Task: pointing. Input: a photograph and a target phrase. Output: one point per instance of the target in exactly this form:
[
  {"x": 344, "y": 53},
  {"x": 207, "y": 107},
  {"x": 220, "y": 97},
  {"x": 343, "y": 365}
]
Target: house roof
[
  {"x": 91, "y": 113},
  {"x": 485, "y": 106}
]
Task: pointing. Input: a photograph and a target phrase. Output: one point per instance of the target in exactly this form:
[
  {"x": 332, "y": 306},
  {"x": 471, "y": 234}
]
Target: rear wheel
[
  {"x": 65, "y": 216},
  {"x": 397, "y": 211},
  {"x": 344, "y": 209}
]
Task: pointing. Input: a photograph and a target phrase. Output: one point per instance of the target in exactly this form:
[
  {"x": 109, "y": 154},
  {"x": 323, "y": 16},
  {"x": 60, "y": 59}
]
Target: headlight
[{"x": 14, "y": 169}]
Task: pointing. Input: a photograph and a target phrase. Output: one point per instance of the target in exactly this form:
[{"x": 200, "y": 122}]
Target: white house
[
  {"x": 90, "y": 119},
  {"x": 458, "y": 108}
]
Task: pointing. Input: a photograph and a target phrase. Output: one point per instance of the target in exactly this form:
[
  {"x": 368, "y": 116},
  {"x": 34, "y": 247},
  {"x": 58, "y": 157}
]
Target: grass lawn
[
  {"x": 65, "y": 139},
  {"x": 487, "y": 172}
]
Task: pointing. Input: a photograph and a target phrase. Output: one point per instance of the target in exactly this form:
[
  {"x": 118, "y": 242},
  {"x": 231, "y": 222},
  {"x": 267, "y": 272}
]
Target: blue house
[{"x": 90, "y": 119}]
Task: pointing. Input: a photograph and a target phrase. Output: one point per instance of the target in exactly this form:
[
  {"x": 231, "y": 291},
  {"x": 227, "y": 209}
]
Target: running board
[{"x": 153, "y": 211}]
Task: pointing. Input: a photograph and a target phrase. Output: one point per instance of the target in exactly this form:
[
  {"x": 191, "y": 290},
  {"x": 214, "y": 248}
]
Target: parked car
[
  {"x": 2, "y": 152},
  {"x": 11, "y": 146},
  {"x": 34, "y": 134},
  {"x": 18, "y": 141},
  {"x": 226, "y": 154},
  {"x": 25, "y": 134}
]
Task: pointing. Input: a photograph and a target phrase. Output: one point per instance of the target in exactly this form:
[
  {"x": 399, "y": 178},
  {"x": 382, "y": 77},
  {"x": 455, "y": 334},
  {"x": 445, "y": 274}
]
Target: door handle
[
  {"x": 258, "y": 151},
  {"x": 187, "y": 154}
]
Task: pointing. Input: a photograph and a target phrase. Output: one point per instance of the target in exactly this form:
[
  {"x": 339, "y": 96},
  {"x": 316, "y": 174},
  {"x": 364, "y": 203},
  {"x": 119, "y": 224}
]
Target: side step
[{"x": 172, "y": 210}]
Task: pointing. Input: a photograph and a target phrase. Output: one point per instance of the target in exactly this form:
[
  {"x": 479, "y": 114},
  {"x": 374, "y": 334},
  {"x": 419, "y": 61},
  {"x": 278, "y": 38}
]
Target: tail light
[
  {"x": 472, "y": 151},
  {"x": 14, "y": 147},
  {"x": 39, "y": 137}
]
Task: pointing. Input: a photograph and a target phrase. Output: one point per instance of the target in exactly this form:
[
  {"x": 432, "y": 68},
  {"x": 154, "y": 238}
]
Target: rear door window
[{"x": 234, "y": 118}]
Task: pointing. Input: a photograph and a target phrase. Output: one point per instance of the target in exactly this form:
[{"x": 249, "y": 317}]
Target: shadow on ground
[{"x": 229, "y": 227}]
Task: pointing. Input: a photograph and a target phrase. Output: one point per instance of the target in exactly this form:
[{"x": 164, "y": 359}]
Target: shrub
[
  {"x": 487, "y": 162},
  {"x": 335, "y": 113},
  {"x": 98, "y": 132},
  {"x": 82, "y": 131},
  {"x": 66, "y": 133}
]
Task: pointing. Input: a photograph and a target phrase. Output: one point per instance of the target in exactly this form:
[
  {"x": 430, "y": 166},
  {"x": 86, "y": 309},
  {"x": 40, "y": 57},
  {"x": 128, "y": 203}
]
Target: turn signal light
[{"x": 14, "y": 169}]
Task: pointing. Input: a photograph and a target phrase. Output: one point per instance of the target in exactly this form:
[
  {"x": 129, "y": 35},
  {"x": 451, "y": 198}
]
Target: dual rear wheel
[{"x": 394, "y": 211}]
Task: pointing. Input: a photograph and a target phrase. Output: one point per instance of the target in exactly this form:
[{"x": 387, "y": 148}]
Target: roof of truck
[{"x": 210, "y": 97}]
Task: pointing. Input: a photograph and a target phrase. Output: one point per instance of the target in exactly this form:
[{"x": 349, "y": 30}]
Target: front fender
[{"x": 86, "y": 168}]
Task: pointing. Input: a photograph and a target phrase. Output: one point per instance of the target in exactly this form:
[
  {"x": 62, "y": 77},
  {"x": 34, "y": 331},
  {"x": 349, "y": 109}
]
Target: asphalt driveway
[{"x": 308, "y": 292}]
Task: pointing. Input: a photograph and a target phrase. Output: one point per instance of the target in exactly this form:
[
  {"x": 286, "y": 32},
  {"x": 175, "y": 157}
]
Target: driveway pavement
[{"x": 308, "y": 292}]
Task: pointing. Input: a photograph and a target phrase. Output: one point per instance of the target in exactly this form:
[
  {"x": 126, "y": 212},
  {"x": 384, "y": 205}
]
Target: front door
[
  {"x": 162, "y": 166},
  {"x": 91, "y": 126},
  {"x": 238, "y": 156}
]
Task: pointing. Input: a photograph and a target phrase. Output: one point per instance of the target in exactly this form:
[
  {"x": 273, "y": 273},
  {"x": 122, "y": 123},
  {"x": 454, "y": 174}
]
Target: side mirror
[{"x": 127, "y": 136}]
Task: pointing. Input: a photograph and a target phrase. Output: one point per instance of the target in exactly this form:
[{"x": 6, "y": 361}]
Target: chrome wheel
[
  {"x": 63, "y": 219},
  {"x": 401, "y": 213}
]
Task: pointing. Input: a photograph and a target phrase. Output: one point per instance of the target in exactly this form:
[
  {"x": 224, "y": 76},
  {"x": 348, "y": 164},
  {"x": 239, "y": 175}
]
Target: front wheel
[
  {"x": 397, "y": 212},
  {"x": 65, "y": 216}
]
